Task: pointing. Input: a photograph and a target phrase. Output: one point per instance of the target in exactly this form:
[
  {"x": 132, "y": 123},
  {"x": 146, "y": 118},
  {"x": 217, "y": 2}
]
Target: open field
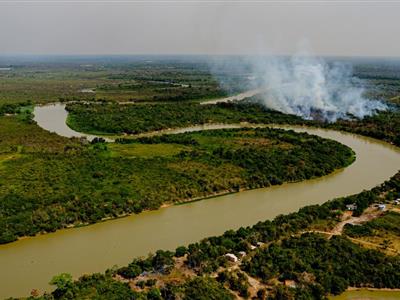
[
  {"x": 132, "y": 79},
  {"x": 381, "y": 233},
  {"x": 146, "y": 150}
]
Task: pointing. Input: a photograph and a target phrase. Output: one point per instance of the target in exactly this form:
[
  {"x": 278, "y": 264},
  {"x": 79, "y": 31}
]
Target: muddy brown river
[{"x": 31, "y": 262}]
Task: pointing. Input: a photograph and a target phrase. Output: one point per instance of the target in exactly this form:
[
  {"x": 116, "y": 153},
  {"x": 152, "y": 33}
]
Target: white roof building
[
  {"x": 231, "y": 257},
  {"x": 382, "y": 206}
]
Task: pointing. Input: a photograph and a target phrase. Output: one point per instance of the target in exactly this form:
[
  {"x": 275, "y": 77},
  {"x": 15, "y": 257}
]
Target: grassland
[
  {"x": 101, "y": 79},
  {"x": 126, "y": 79},
  {"x": 381, "y": 233},
  {"x": 381, "y": 78},
  {"x": 145, "y": 150}
]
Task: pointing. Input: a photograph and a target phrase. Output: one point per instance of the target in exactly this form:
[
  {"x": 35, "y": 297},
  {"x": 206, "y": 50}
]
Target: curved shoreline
[
  {"x": 222, "y": 193},
  {"x": 94, "y": 248},
  {"x": 42, "y": 115},
  {"x": 99, "y": 246}
]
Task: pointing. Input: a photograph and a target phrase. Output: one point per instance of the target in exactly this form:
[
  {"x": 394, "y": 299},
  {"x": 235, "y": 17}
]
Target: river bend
[{"x": 31, "y": 262}]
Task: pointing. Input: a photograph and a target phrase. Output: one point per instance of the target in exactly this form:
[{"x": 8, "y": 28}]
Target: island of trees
[{"x": 48, "y": 182}]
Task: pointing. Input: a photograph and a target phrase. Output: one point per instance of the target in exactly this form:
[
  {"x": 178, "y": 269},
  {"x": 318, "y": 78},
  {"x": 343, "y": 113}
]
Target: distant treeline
[{"x": 383, "y": 126}]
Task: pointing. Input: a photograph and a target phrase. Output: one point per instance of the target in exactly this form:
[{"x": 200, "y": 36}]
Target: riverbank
[
  {"x": 187, "y": 166},
  {"x": 102, "y": 245},
  {"x": 116, "y": 119},
  {"x": 277, "y": 244},
  {"x": 99, "y": 246},
  {"x": 168, "y": 205}
]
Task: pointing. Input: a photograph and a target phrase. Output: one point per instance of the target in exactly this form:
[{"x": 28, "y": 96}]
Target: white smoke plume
[{"x": 308, "y": 86}]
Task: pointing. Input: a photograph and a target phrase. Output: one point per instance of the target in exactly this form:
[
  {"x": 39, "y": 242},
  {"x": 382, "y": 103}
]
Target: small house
[
  {"x": 231, "y": 257},
  {"x": 396, "y": 202},
  {"x": 351, "y": 207},
  {"x": 252, "y": 247},
  {"x": 381, "y": 206}
]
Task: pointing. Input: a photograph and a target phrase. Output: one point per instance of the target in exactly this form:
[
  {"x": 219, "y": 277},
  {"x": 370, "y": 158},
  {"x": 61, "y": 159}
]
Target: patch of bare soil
[{"x": 369, "y": 214}]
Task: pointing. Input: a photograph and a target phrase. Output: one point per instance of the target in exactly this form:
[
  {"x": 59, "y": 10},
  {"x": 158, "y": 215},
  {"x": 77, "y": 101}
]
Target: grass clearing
[
  {"x": 145, "y": 150},
  {"x": 7, "y": 157},
  {"x": 382, "y": 233}
]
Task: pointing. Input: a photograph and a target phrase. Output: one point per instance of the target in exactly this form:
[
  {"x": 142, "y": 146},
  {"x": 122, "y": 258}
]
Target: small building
[
  {"x": 252, "y": 247},
  {"x": 381, "y": 206},
  {"x": 351, "y": 207},
  {"x": 396, "y": 202},
  {"x": 242, "y": 254},
  {"x": 260, "y": 244},
  {"x": 231, "y": 257}
]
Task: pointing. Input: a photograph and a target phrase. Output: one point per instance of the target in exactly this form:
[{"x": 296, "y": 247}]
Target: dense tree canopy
[
  {"x": 316, "y": 265},
  {"x": 116, "y": 119},
  {"x": 48, "y": 182}
]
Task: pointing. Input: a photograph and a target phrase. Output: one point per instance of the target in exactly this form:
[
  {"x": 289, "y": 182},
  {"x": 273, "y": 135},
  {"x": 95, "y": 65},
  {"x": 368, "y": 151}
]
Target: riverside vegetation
[
  {"x": 49, "y": 182},
  {"x": 111, "y": 118},
  {"x": 133, "y": 119},
  {"x": 288, "y": 251},
  {"x": 120, "y": 79},
  {"x": 286, "y": 254}
]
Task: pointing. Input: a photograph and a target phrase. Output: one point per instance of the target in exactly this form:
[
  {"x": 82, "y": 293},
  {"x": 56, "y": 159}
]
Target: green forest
[
  {"x": 315, "y": 265},
  {"x": 49, "y": 182},
  {"x": 384, "y": 126},
  {"x": 111, "y": 118},
  {"x": 134, "y": 119}
]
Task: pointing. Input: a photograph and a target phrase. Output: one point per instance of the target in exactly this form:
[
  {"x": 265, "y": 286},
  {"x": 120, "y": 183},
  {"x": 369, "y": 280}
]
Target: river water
[
  {"x": 237, "y": 97},
  {"x": 31, "y": 262},
  {"x": 53, "y": 118}
]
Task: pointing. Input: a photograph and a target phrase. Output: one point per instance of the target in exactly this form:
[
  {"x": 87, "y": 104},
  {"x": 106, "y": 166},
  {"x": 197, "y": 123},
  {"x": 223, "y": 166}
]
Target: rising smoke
[{"x": 310, "y": 87}]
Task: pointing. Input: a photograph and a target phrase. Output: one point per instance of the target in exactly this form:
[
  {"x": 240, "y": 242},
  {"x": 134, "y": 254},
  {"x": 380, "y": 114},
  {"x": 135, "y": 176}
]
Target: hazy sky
[{"x": 199, "y": 27}]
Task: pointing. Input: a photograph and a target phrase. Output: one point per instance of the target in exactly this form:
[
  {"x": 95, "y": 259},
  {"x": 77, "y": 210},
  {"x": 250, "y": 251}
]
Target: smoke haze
[
  {"x": 310, "y": 87},
  {"x": 307, "y": 86}
]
